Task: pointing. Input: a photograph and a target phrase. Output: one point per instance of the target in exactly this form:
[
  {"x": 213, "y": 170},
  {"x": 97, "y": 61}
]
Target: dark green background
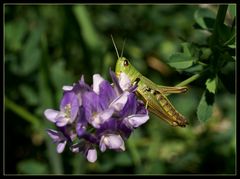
[{"x": 48, "y": 46}]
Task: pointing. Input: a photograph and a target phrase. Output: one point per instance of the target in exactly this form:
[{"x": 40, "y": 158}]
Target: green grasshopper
[{"x": 152, "y": 94}]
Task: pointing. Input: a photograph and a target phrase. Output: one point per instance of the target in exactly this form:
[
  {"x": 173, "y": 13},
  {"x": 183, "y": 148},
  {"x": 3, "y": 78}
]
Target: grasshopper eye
[{"x": 125, "y": 63}]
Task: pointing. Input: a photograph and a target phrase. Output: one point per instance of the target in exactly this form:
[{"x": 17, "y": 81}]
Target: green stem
[
  {"x": 189, "y": 80},
  {"x": 22, "y": 112},
  {"x": 46, "y": 99},
  {"x": 193, "y": 78},
  {"x": 218, "y": 23}
]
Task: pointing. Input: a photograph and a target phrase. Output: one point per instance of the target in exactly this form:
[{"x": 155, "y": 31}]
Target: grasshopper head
[{"x": 122, "y": 65}]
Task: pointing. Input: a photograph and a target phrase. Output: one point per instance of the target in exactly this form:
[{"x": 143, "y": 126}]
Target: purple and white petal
[
  {"x": 82, "y": 86},
  {"x": 124, "y": 81},
  {"x": 125, "y": 129},
  {"x": 67, "y": 88},
  {"x": 97, "y": 80},
  {"x": 55, "y": 135},
  {"x": 116, "y": 83},
  {"x": 101, "y": 117},
  {"x": 62, "y": 121},
  {"x": 95, "y": 120},
  {"x": 81, "y": 124},
  {"x": 51, "y": 114},
  {"x": 74, "y": 108},
  {"x": 61, "y": 146},
  {"x": 77, "y": 147},
  {"x": 136, "y": 120},
  {"x": 107, "y": 94},
  {"x": 130, "y": 107},
  {"x": 91, "y": 103},
  {"x": 106, "y": 115},
  {"x": 141, "y": 108},
  {"x": 112, "y": 141},
  {"x": 102, "y": 146},
  {"x": 66, "y": 100},
  {"x": 91, "y": 155},
  {"x": 120, "y": 102}
]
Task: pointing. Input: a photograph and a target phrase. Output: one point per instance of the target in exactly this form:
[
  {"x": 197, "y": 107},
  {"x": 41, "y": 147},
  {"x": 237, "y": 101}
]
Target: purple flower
[
  {"x": 103, "y": 115},
  {"x": 69, "y": 105},
  {"x": 68, "y": 110},
  {"x": 87, "y": 149},
  {"x": 101, "y": 103},
  {"x": 58, "y": 138}
]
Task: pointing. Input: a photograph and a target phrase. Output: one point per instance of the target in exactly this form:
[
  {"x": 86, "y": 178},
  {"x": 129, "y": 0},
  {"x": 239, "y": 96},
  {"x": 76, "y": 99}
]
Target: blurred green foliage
[{"x": 48, "y": 46}]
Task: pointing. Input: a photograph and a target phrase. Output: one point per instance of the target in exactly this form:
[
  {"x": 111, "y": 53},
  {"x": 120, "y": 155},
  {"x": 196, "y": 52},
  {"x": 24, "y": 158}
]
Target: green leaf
[
  {"x": 180, "y": 61},
  {"x": 32, "y": 167},
  {"x": 232, "y": 46},
  {"x": 211, "y": 85},
  {"x": 186, "y": 49},
  {"x": 205, "y": 53},
  {"x": 206, "y": 24},
  {"x": 204, "y": 18},
  {"x": 30, "y": 60},
  {"x": 205, "y": 107},
  {"x": 32, "y": 53},
  {"x": 14, "y": 34}
]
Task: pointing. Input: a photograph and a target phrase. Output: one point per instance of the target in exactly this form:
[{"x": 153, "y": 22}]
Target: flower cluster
[{"x": 101, "y": 115}]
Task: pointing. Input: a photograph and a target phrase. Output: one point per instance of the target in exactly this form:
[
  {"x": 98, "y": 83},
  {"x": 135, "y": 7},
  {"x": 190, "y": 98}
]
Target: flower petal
[
  {"x": 130, "y": 107},
  {"x": 55, "y": 135},
  {"x": 101, "y": 117},
  {"x": 61, "y": 146},
  {"x": 77, "y": 147},
  {"x": 67, "y": 88},
  {"x": 62, "y": 121},
  {"x": 102, "y": 146},
  {"x": 120, "y": 102},
  {"x": 113, "y": 141},
  {"x": 92, "y": 104},
  {"x": 136, "y": 120},
  {"x": 97, "y": 80},
  {"x": 92, "y": 155},
  {"x": 74, "y": 109},
  {"x": 81, "y": 122},
  {"x": 105, "y": 115},
  {"x": 124, "y": 81},
  {"x": 116, "y": 83},
  {"x": 106, "y": 93},
  {"x": 66, "y": 99},
  {"x": 109, "y": 125},
  {"x": 51, "y": 114},
  {"x": 95, "y": 121},
  {"x": 82, "y": 86},
  {"x": 125, "y": 129},
  {"x": 141, "y": 108}
]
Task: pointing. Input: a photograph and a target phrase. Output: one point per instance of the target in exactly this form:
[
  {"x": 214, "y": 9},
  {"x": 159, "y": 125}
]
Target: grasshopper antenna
[
  {"x": 123, "y": 47},
  {"x": 115, "y": 46}
]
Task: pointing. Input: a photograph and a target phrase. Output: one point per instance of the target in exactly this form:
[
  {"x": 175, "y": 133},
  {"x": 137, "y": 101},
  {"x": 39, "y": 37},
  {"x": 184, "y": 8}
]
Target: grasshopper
[{"x": 153, "y": 95}]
